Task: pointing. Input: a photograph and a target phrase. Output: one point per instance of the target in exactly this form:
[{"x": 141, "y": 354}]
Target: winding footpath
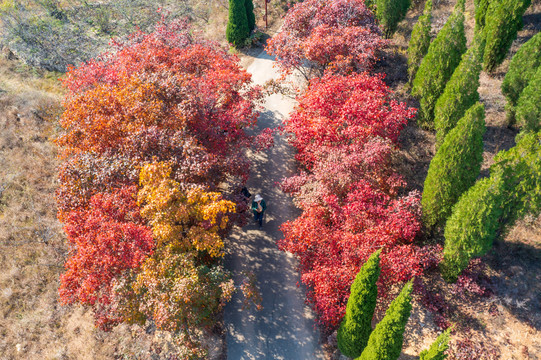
[{"x": 285, "y": 327}]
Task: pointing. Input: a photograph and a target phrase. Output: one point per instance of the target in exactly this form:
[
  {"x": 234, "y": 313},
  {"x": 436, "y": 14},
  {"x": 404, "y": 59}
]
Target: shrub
[
  {"x": 521, "y": 70},
  {"x": 249, "y": 5},
  {"x": 438, "y": 348},
  {"x": 238, "y": 29},
  {"x": 385, "y": 342},
  {"x": 390, "y": 13},
  {"x": 420, "y": 40},
  {"x": 460, "y": 92},
  {"x": 455, "y": 167},
  {"x": 444, "y": 54},
  {"x": 356, "y": 326},
  {"x": 529, "y": 104},
  {"x": 502, "y": 23}
]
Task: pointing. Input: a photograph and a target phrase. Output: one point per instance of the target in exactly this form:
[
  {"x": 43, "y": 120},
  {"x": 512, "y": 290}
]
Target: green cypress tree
[
  {"x": 356, "y": 326},
  {"x": 481, "y": 7},
  {"x": 419, "y": 41},
  {"x": 390, "y": 13},
  {"x": 249, "y": 5},
  {"x": 529, "y": 104},
  {"x": 512, "y": 191},
  {"x": 472, "y": 226},
  {"x": 438, "y": 348},
  {"x": 502, "y": 23},
  {"x": 521, "y": 70},
  {"x": 237, "y": 30},
  {"x": 520, "y": 168},
  {"x": 444, "y": 54},
  {"x": 460, "y": 92},
  {"x": 455, "y": 167},
  {"x": 385, "y": 342}
]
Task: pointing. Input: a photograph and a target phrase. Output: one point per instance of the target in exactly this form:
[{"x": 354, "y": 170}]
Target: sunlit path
[{"x": 284, "y": 328}]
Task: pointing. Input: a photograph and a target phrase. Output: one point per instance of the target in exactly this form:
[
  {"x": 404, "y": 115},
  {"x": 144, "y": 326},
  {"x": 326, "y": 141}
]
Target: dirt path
[{"x": 284, "y": 328}]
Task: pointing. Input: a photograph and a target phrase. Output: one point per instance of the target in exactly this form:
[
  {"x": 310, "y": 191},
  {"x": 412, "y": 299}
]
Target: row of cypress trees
[
  {"x": 431, "y": 64},
  {"x": 512, "y": 191},
  {"x": 356, "y": 339},
  {"x": 241, "y": 21},
  {"x": 449, "y": 102},
  {"x": 437, "y": 66},
  {"x": 513, "y": 188},
  {"x": 498, "y": 22}
]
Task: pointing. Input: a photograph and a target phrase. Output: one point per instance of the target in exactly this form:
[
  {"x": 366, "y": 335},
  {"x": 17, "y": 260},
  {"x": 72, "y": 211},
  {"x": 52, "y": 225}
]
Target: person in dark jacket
[{"x": 258, "y": 208}]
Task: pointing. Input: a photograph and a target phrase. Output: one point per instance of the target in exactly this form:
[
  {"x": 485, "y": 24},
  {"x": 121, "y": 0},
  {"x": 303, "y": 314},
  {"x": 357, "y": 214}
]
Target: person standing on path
[{"x": 258, "y": 208}]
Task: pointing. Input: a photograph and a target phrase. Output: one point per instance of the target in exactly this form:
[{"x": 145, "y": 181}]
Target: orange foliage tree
[{"x": 153, "y": 130}]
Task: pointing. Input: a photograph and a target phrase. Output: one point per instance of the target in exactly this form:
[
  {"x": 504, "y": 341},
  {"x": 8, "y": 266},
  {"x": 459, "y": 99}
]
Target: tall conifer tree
[
  {"x": 460, "y": 92},
  {"x": 444, "y": 55},
  {"x": 249, "y": 5},
  {"x": 237, "y": 30},
  {"x": 356, "y": 326},
  {"x": 419, "y": 41},
  {"x": 455, "y": 167},
  {"x": 521, "y": 70},
  {"x": 438, "y": 347},
  {"x": 502, "y": 23},
  {"x": 385, "y": 342}
]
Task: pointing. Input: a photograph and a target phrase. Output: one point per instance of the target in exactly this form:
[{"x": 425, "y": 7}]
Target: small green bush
[
  {"x": 237, "y": 30},
  {"x": 502, "y": 23},
  {"x": 460, "y": 92},
  {"x": 444, "y": 54},
  {"x": 385, "y": 342},
  {"x": 522, "y": 69},
  {"x": 419, "y": 41},
  {"x": 455, "y": 167},
  {"x": 529, "y": 105},
  {"x": 249, "y": 6},
  {"x": 390, "y": 13},
  {"x": 356, "y": 326},
  {"x": 438, "y": 348}
]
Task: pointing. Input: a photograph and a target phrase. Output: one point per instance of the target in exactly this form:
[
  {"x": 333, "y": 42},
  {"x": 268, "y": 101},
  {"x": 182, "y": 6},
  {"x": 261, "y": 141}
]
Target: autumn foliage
[
  {"x": 341, "y": 35},
  {"x": 345, "y": 129},
  {"x": 111, "y": 240},
  {"x": 153, "y": 130}
]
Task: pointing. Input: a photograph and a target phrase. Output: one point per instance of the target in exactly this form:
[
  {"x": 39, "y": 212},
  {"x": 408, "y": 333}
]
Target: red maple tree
[
  {"x": 345, "y": 129},
  {"x": 339, "y": 110},
  {"x": 108, "y": 241},
  {"x": 341, "y": 35}
]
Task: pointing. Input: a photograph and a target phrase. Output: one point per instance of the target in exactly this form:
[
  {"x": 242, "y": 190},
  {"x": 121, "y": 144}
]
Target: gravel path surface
[{"x": 285, "y": 327}]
